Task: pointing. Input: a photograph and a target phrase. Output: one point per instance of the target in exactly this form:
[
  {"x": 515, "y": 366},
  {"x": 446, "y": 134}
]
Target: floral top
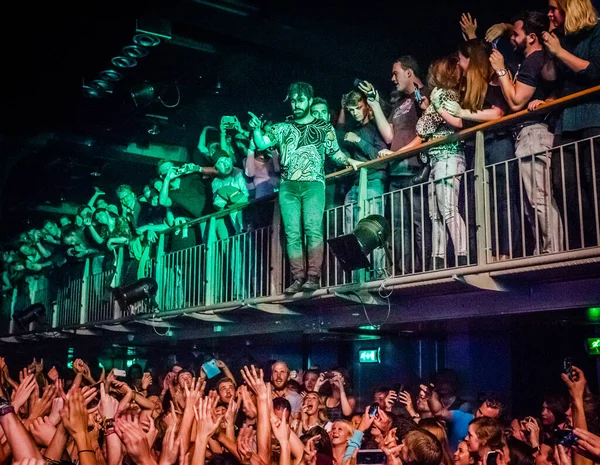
[
  {"x": 303, "y": 148},
  {"x": 432, "y": 126}
]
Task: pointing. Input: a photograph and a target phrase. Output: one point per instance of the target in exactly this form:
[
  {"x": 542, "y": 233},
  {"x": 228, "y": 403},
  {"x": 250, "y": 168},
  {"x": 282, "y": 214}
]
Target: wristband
[
  {"x": 133, "y": 394},
  {"x": 86, "y": 450},
  {"x": 6, "y": 410}
]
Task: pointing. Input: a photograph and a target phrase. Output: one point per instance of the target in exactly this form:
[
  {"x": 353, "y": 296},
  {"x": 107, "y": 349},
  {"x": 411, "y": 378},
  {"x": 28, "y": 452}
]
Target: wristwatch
[
  {"x": 501, "y": 72},
  {"x": 5, "y": 407}
]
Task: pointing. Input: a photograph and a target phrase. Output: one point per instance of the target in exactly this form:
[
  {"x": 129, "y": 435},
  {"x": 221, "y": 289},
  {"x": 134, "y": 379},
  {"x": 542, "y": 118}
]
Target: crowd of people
[
  {"x": 521, "y": 64},
  {"x": 288, "y": 417}
]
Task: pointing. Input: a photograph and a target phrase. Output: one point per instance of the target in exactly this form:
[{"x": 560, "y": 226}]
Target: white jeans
[
  {"x": 532, "y": 148},
  {"x": 443, "y": 205}
]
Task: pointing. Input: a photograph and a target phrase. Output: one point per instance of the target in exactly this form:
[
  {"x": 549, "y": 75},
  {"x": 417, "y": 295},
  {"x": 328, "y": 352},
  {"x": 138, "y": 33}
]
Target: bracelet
[
  {"x": 133, "y": 394},
  {"x": 51, "y": 461},
  {"x": 86, "y": 450},
  {"x": 108, "y": 432}
]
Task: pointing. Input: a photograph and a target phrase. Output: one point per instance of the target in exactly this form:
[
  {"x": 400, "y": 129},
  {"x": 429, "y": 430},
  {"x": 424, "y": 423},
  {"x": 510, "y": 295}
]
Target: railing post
[
  {"x": 362, "y": 195},
  {"x": 481, "y": 186},
  {"x": 159, "y": 272},
  {"x": 276, "y": 255},
  {"x": 85, "y": 292},
  {"x": 212, "y": 277},
  {"x": 117, "y": 310}
]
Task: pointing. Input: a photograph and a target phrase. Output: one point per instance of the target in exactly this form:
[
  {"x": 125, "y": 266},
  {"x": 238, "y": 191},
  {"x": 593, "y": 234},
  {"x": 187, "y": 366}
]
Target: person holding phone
[{"x": 484, "y": 439}]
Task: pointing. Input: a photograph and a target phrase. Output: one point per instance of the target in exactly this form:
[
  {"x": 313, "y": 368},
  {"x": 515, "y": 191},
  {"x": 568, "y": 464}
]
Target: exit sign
[
  {"x": 369, "y": 355},
  {"x": 593, "y": 345}
]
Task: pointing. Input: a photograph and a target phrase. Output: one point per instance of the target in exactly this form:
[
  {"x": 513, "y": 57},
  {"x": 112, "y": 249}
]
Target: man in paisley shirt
[{"x": 303, "y": 143}]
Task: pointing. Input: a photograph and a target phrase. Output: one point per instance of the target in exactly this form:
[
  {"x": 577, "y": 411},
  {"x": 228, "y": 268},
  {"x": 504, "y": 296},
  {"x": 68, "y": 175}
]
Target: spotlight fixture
[
  {"x": 124, "y": 62},
  {"x": 110, "y": 75},
  {"x": 129, "y": 294},
  {"x": 353, "y": 249},
  {"x": 32, "y": 313},
  {"x": 142, "y": 94},
  {"x": 101, "y": 85},
  {"x": 135, "y": 51},
  {"x": 146, "y": 40},
  {"x": 92, "y": 92}
]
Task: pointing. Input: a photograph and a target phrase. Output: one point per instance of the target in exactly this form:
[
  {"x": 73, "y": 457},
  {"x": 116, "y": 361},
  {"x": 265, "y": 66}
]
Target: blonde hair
[
  {"x": 579, "y": 14},
  {"x": 346, "y": 425},
  {"x": 477, "y": 76},
  {"x": 322, "y": 411}
]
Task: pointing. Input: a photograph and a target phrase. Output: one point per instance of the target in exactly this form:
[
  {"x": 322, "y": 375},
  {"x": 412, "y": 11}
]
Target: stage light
[
  {"x": 134, "y": 51},
  {"x": 129, "y": 294},
  {"x": 146, "y": 40},
  {"x": 101, "y": 85},
  {"x": 352, "y": 250},
  {"x": 92, "y": 92},
  {"x": 32, "y": 313},
  {"x": 110, "y": 75},
  {"x": 124, "y": 62},
  {"x": 142, "y": 94}
]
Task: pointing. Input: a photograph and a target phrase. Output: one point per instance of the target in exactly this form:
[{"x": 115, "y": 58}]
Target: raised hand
[
  {"x": 42, "y": 406},
  {"x": 74, "y": 414},
  {"x": 146, "y": 381},
  {"x": 404, "y": 398},
  {"x": 496, "y": 31},
  {"x": 108, "y": 405},
  {"x": 468, "y": 26},
  {"x": 53, "y": 374},
  {"x": 588, "y": 444},
  {"x": 246, "y": 443},
  {"x": 390, "y": 400},
  {"x": 42, "y": 431},
  {"x": 132, "y": 435},
  {"x": 24, "y": 391},
  {"x": 255, "y": 122},
  {"x": 170, "y": 447},
  {"x": 57, "y": 405},
  {"x": 577, "y": 385},
  {"x": 206, "y": 424},
  {"x": 255, "y": 381},
  {"x": 280, "y": 427}
]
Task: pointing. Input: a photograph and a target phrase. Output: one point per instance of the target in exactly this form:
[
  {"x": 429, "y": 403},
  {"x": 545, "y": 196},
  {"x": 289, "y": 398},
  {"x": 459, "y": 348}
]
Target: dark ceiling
[{"x": 56, "y": 144}]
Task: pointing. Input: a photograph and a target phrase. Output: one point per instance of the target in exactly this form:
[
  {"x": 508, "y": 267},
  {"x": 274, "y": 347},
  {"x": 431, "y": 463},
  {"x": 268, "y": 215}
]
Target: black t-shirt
[
  {"x": 530, "y": 74},
  {"x": 190, "y": 198}
]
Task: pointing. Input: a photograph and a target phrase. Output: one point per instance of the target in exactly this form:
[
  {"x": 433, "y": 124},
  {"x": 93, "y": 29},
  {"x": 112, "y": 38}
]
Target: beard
[{"x": 300, "y": 113}]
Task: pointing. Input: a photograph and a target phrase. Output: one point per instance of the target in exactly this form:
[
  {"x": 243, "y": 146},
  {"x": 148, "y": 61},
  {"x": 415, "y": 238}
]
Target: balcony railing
[{"x": 250, "y": 268}]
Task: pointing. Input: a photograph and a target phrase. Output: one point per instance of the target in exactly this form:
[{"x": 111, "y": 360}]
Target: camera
[
  {"x": 566, "y": 437},
  {"x": 329, "y": 375},
  {"x": 370, "y": 457}
]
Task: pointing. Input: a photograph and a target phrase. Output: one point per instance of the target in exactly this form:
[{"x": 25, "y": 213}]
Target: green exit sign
[
  {"x": 369, "y": 355},
  {"x": 593, "y": 345}
]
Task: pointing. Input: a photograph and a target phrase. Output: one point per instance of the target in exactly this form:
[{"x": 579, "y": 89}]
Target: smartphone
[
  {"x": 357, "y": 82},
  {"x": 373, "y": 409},
  {"x": 566, "y": 437},
  {"x": 418, "y": 96},
  {"x": 211, "y": 369},
  {"x": 568, "y": 367},
  {"x": 119, "y": 373},
  {"x": 491, "y": 457},
  {"x": 370, "y": 457},
  {"x": 400, "y": 389}
]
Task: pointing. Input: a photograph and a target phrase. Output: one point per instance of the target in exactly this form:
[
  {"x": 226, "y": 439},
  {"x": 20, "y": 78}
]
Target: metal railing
[{"x": 481, "y": 214}]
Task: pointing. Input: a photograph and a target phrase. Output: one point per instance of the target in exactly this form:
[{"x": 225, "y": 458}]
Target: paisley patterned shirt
[{"x": 303, "y": 148}]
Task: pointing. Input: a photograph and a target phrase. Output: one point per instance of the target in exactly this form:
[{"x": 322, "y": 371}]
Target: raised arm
[
  {"x": 261, "y": 141},
  {"x": 516, "y": 95},
  {"x": 588, "y": 70},
  {"x": 385, "y": 128}
]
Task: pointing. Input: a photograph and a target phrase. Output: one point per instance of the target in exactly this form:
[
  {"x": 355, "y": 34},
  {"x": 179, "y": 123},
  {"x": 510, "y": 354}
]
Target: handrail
[
  {"x": 460, "y": 135},
  {"x": 400, "y": 154}
]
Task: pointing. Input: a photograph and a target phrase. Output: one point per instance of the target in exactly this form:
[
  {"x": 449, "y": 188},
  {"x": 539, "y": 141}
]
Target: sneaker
[
  {"x": 312, "y": 283},
  {"x": 296, "y": 286}
]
